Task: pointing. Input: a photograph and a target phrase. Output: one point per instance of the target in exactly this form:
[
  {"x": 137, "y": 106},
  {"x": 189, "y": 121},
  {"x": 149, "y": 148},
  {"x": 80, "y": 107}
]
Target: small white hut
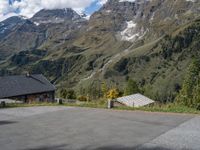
[{"x": 136, "y": 100}]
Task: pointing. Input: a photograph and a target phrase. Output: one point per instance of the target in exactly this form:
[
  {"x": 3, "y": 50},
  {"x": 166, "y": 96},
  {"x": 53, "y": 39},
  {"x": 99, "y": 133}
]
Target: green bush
[
  {"x": 67, "y": 94},
  {"x": 83, "y": 98}
]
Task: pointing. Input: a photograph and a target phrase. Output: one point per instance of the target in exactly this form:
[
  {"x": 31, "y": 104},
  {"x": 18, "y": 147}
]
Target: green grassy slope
[{"x": 160, "y": 67}]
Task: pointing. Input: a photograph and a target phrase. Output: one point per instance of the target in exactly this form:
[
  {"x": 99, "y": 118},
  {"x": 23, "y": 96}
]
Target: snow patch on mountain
[
  {"x": 108, "y": 11},
  {"x": 37, "y": 23},
  {"x": 50, "y": 21},
  {"x": 131, "y": 32}
]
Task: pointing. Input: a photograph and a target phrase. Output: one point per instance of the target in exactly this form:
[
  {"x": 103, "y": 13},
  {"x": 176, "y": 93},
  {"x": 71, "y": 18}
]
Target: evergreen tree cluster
[
  {"x": 190, "y": 92},
  {"x": 131, "y": 88}
]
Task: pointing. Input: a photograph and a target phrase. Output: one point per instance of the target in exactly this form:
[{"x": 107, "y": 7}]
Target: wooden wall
[{"x": 48, "y": 97}]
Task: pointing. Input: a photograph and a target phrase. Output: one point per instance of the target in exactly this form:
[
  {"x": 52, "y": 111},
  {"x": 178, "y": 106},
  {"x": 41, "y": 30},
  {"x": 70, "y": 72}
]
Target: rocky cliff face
[
  {"x": 152, "y": 19},
  {"x": 133, "y": 21}
]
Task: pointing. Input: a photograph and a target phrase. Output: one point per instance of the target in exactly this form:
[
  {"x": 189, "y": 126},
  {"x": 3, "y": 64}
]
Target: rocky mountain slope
[
  {"x": 24, "y": 36},
  {"x": 149, "y": 41},
  {"x": 21, "y": 34}
]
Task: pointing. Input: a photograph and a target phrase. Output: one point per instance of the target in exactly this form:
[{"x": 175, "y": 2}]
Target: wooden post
[
  {"x": 3, "y": 104},
  {"x": 59, "y": 101},
  {"x": 110, "y": 104}
]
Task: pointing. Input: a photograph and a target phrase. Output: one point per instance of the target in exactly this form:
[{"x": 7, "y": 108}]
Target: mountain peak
[
  {"x": 56, "y": 16},
  {"x": 9, "y": 24}
]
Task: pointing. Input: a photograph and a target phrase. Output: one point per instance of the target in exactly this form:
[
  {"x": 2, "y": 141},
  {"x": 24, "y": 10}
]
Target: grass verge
[
  {"x": 29, "y": 105},
  {"x": 170, "y": 108}
]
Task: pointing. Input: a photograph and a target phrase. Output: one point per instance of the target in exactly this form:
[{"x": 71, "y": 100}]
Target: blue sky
[
  {"x": 28, "y": 8},
  {"x": 92, "y": 8}
]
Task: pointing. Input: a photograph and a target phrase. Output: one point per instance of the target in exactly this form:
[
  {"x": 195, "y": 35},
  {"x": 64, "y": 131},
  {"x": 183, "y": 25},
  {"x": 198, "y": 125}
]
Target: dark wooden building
[{"x": 27, "y": 88}]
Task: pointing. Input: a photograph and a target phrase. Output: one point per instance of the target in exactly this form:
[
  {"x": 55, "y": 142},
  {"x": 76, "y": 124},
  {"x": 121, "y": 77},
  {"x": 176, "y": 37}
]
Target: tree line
[
  {"x": 100, "y": 90},
  {"x": 190, "y": 92},
  {"x": 188, "y": 95}
]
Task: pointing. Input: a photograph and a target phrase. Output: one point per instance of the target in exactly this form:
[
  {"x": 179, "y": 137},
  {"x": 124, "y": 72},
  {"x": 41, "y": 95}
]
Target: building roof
[
  {"x": 136, "y": 100},
  {"x": 11, "y": 86}
]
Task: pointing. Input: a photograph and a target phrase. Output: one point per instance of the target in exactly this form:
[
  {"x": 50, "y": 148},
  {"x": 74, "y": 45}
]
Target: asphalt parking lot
[{"x": 68, "y": 128}]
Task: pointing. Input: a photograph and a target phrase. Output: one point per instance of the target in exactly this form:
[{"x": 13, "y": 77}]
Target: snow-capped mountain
[
  {"x": 19, "y": 33},
  {"x": 56, "y": 16}
]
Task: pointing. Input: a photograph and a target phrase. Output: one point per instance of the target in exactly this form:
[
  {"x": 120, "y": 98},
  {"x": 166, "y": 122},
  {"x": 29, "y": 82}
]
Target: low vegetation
[
  {"x": 169, "y": 108},
  {"x": 14, "y": 105},
  {"x": 187, "y": 100}
]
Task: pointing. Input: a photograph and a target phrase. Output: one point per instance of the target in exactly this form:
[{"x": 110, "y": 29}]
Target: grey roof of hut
[
  {"x": 136, "y": 100},
  {"x": 12, "y": 86}
]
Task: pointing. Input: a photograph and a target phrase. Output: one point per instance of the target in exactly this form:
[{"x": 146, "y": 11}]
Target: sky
[{"x": 28, "y": 8}]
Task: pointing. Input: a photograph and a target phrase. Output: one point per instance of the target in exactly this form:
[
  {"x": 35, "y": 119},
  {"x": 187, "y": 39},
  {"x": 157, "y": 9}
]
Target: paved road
[{"x": 68, "y": 128}]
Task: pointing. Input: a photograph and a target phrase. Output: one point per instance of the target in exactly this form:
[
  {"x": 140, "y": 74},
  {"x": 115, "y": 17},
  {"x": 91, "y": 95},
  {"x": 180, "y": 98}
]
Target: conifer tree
[
  {"x": 104, "y": 88},
  {"x": 131, "y": 87},
  {"x": 188, "y": 95}
]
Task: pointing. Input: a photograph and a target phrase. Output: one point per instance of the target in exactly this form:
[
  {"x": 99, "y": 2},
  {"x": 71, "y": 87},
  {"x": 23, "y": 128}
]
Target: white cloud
[
  {"x": 29, "y": 7},
  {"x": 4, "y": 7},
  {"x": 6, "y": 10}
]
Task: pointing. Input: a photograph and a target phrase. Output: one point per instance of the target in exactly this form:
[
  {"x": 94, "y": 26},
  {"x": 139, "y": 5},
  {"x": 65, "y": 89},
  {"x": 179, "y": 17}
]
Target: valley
[{"x": 151, "y": 42}]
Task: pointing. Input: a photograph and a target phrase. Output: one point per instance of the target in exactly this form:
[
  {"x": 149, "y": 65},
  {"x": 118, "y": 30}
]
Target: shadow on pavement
[
  {"x": 7, "y": 122},
  {"x": 116, "y": 147},
  {"x": 127, "y": 148},
  {"x": 55, "y": 147}
]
